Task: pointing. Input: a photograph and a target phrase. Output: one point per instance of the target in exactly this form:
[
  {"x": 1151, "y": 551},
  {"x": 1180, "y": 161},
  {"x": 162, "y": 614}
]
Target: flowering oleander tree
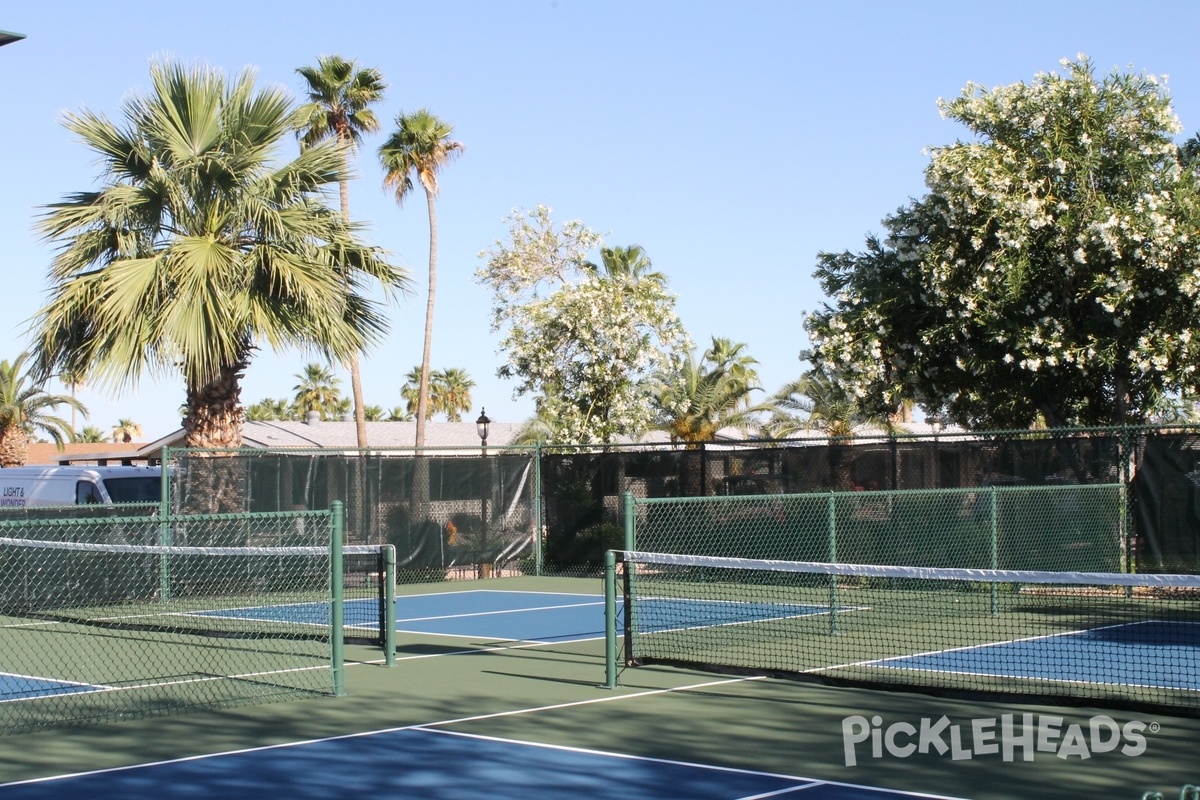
[
  {"x": 1050, "y": 270},
  {"x": 585, "y": 338}
]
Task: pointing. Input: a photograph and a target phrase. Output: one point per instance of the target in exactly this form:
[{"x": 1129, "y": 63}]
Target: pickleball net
[
  {"x": 1113, "y": 639},
  {"x": 94, "y": 630}
]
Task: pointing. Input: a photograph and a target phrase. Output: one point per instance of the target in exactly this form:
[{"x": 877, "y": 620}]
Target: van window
[
  {"x": 87, "y": 493},
  {"x": 140, "y": 489}
]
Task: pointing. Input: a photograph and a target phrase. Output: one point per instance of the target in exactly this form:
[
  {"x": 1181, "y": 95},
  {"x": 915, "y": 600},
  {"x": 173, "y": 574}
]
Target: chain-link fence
[
  {"x": 108, "y": 617},
  {"x": 456, "y": 515},
  {"x": 1056, "y": 528}
]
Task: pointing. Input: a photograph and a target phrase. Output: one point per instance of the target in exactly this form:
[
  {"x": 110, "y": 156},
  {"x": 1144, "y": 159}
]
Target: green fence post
[
  {"x": 610, "y": 620},
  {"x": 337, "y": 597},
  {"x": 831, "y": 505},
  {"x": 537, "y": 508},
  {"x": 627, "y": 510},
  {"x": 995, "y": 551},
  {"x": 389, "y": 605},
  {"x": 164, "y": 527}
]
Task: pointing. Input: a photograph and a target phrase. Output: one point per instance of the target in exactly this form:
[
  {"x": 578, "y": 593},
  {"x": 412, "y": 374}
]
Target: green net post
[
  {"x": 610, "y": 618},
  {"x": 833, "y": 587},
  {"x": 389, "y": 606},
  {"x": 164, "y": 528},
  {"x": 627, "y": 506},
  {"x": 537, "y": 509},
  {"x": 995, "y": 541},
  {"x": 337, "y": 599}
]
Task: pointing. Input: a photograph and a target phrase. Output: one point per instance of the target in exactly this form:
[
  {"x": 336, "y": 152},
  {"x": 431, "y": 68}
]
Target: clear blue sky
[{"x": 733, "y": 141}]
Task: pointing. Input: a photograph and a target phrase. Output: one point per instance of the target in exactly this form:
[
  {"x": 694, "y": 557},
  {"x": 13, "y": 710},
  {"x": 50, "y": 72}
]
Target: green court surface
[{"x": 553, "y": 693}]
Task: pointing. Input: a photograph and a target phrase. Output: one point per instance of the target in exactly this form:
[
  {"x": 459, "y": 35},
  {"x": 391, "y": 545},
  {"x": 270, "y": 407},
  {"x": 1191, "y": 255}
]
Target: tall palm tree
[
  {"x": 26, "y": 408},
  {"x": 421, "y": 146},
  {"x": 126, "y": 430},
  {"x": 201, "y": 246},
  {"x": 317, "y": 391},
  {"x": 340, "y": 97},
  {"x": 450, "y": 391}
]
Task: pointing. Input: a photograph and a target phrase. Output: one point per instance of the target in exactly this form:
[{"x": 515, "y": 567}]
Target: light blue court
[
  {"x": 434, "y": 765},
  {"x": 523, "y": 616},
  {"x": 25, "y": 687},
  {"x": 1164, "y": 655}
]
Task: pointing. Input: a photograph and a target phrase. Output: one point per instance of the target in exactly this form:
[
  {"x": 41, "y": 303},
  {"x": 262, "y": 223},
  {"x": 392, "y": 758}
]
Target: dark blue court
[{"x": 434, "y": 765}]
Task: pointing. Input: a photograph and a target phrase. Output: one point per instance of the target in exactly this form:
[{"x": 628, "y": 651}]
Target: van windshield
[{"x": 141, "y": 489}]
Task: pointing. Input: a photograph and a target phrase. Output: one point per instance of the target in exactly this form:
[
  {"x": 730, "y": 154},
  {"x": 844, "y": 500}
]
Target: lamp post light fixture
[
  {"x": 8, "y": 37},
  {"x": 485, "y": 488}
]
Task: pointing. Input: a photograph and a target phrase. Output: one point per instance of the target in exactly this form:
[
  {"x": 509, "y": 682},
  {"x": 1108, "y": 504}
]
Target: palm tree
[
  {"x": 399, "y": 414},
  {"x": 450, "y": 391},
  {"x": 200, "y": 246},
  {"x": 317, "y": 391},
  {"x": 270, "y": 410},
  {"x": 410, "y": 392},
  {"x": 707, "y": 394},
  {"x": 91, "y": 435},
  {"x": 374, "y": 413},
  {"x": 339, "y": 107},
  {"x": 421, "y": 144},
  {"x": 126, "y": 430},
  {"x": 26, "y": 408}
]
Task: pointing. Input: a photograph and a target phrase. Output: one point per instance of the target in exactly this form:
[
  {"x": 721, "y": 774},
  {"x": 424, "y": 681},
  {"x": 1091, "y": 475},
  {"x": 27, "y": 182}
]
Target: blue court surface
[
  {"x": 434, "y": 765},
  {"x": 24, "y": 687},
  {"x": 1153, "y": 654},
  {"x": 523, "y": 616}
]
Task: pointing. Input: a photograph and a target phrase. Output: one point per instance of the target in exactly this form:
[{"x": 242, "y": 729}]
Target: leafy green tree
[
  {"x": 27, "y": 408},
  {"x": 317, "y": 391},
  {"x": 584, "y": 338},
  {"x": 421, "y": 146},
  {"x": 201, "y": 246},
  {"x": 1050, "y": 269},
  {"x": 340, "y": 96},
  {"x": 707, "y": 394}
]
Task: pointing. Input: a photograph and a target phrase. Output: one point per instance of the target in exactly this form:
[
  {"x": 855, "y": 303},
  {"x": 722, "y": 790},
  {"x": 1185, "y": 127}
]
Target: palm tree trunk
[
  {"x": 14, "y": 446},
  {"x": 360, "y": 415},
  {"x": 423, "y": 389},
  {"x": 214, "y": 420}
]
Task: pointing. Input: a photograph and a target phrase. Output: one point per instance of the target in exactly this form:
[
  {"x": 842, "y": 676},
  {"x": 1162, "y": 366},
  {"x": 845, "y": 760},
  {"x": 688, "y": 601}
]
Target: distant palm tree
[
  {"x": 420, "y": 145},
  {"x": 271, "y": 410},
  {"x": 340, "y": 97},
  {"x": 91, "y": 435},
  {"x": 708, "y": 394},
  {"x": 126, "y": 430},
  {"x": 374, "y": 413},
  {"x": 26, "y": 408},
  {"x": 317, "y": 391},
  {"x": 410, "y": 392},
  {"x": 399, "y": 414},
  {"x": 450, "y": 391}
]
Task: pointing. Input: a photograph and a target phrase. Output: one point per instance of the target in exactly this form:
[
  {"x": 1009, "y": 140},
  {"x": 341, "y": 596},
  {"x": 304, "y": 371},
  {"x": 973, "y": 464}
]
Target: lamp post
[
  {"x": 8, "y": 37},
  {"x": 481, "y": 427}
]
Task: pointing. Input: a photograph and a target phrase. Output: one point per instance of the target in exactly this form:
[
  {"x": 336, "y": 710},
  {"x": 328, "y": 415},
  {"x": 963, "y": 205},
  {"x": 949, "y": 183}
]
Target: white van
[{"x": 77, "y": 485}]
